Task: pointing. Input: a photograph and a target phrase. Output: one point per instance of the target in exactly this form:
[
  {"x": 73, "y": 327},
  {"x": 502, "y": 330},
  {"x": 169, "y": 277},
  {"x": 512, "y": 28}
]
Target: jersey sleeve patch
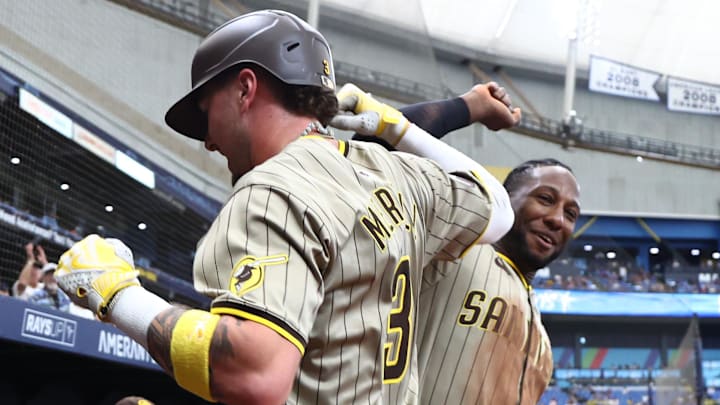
[{"x": 249, "y": 272}]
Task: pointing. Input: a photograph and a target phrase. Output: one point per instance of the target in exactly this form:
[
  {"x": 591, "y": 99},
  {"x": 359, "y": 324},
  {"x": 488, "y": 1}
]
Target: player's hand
[
  {"x": 490, "y": 105},
  {"x": 363, "y": 114},
  {"x": 94, "y": 270}
]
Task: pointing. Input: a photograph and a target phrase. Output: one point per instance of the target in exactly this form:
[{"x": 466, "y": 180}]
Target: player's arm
[
  {"x": 25, "y": 278},
  {"x": 440, "y": 117},
  {"x": 217, "y": 357},
  {"x": 247, "y": 362},
  {"x": 374, "y": 118}
]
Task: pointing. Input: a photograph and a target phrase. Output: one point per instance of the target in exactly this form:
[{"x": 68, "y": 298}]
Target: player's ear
[{"x": 246, "y": 87}]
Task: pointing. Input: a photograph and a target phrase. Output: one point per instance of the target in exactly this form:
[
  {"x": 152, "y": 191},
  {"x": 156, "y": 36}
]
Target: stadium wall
[{"x": 122, "y": 70}]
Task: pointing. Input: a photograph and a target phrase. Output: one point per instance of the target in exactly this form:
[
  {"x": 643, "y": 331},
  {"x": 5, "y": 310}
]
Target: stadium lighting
[
  {"x": 639, "y": 159},
  {"x": 611, "y": 255},
  {"x": 654, "y": 250},
  {"x": 109, "y": 208},
  {"x": 15, "y": 160},
  {"x": 716, "y": 255},
  {"x": 587, "y": 248},
  {"x": 582, "y": 340},
  {"x": 142, "y": 226},
  {"x": 64, "y": 187},
  {"x": 695, "y": 252}
]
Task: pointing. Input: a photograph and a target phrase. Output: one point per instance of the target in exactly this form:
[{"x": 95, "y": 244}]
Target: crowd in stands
[
  {"x": 36, "y": 283},
  {"x": 627, "y": 276},
  {"x": 623, "y": 395},
  {"x": 593, "y": 273}
]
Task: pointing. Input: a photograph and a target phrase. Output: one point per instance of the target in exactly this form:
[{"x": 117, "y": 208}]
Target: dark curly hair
[
  {"x": 515, "y": 178},
  {"x": 309, "y": 100},
  {"x": 312, "y": 101}
]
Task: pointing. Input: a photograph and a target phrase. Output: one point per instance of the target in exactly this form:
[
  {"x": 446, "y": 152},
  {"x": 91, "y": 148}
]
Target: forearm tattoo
[
  {"x": 159, "y": 336},
  {"x": 221, "y": 346},
  {"x": 221, "y": 350}
]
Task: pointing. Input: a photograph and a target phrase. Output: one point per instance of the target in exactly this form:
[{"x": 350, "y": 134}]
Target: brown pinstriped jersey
[
  {"x": 327, "y": 248},
  {"x": 477, "y": 332}
]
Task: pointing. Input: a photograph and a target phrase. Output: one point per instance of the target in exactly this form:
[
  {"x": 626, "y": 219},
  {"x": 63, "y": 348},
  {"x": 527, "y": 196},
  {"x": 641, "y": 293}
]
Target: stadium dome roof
[{"x": 672, "y": 37}]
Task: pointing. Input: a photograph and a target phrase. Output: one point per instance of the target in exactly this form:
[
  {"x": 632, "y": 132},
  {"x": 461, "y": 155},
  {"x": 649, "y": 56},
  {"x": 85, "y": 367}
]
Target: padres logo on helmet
[{"x": 250, "y": 272}]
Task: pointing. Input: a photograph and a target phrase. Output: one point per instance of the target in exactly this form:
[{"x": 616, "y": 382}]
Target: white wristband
[
  {"x": 133, "y": 310},
  {"x": 420, "y": 143}
]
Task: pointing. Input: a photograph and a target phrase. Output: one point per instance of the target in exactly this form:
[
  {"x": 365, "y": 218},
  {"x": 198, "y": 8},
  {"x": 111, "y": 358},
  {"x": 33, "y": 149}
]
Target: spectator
[
  {"x": 4, "y": 289},
  {"x": 28, "y": 281},
  {"x": 49, "y": 294},
  {"x": 36, "y": 283}
]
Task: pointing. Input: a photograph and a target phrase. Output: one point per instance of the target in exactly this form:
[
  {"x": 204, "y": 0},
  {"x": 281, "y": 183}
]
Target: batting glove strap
[
  {"x": 391, "y": 125},
  {"x": 371, "y": 116},
  {"x": 106, "y": 287}
]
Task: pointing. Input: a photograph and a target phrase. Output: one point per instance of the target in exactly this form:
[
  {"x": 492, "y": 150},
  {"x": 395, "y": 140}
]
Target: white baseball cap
[{"x": 49, "y": 267}]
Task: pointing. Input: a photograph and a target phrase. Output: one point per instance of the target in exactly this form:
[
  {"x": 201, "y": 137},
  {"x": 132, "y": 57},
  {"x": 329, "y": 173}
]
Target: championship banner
[
  {"x": 615, "y": 78},
  {"x": 692, "y": 97}
]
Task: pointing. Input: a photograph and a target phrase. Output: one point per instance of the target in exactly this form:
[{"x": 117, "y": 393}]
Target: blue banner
[
  {"x": 594, "y": 303},
  {"x": 41, "y": 326}
]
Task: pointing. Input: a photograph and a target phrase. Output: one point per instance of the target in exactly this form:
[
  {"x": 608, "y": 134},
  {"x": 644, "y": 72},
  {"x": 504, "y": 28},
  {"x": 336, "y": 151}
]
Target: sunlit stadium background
[{"x": 625, "y": 92}]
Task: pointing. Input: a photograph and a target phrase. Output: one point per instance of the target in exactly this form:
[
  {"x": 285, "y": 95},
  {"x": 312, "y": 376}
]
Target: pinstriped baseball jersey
[
  {"x": 477, "y": 332},
  {"x": 327, "y": 248}
]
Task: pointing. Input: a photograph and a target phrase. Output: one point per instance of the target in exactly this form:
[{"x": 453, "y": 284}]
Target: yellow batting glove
[
  {"x": 94, "y": 270},
  {"x": 361, "y": 113}
]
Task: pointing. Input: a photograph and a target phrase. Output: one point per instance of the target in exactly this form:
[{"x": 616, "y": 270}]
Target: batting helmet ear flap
[{"x": 279, "y": 42}]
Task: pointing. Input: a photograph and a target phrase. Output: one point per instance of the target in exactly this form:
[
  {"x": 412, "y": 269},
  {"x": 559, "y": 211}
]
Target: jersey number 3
[{"x": 400, "y": 326}]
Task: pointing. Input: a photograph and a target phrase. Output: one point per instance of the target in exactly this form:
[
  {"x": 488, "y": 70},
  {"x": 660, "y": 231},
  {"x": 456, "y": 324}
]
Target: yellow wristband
[{"x": 190, "y": 351}]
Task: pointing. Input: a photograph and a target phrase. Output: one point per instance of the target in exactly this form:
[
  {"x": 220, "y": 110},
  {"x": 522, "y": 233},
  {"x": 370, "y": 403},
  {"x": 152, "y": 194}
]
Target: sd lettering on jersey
[
  {"x": 48, "y": 328},
  {"x": 496, "y": 315},
  {"x": 122, "y": 346}
]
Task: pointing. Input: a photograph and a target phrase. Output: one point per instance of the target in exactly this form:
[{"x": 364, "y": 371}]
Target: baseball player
[
  {"x": 314, "y": 262},
  {"x": 481, "y": 340}
]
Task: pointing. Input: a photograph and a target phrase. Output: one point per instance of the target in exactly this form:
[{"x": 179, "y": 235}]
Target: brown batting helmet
[{"x": 280, "y": 42}]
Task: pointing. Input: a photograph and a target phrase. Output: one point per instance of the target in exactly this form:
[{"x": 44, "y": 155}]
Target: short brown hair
[{"x": 311, "y": 101}]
